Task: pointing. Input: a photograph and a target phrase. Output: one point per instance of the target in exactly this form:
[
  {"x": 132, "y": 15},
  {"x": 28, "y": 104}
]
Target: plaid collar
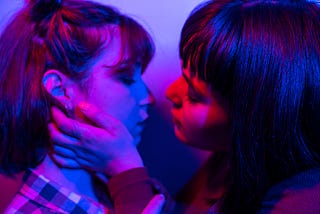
[{"x": 53, "y": 196}]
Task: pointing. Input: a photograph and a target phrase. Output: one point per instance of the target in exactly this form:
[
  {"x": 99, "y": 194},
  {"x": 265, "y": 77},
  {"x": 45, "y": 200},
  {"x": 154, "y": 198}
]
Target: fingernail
[
  {"x": 84, "y": 106},
  {"x": 161, "y": 196}
]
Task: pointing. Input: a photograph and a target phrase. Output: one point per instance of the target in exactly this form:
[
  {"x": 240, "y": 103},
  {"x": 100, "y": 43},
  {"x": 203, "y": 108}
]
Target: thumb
[{"x": 155, "y": 205}]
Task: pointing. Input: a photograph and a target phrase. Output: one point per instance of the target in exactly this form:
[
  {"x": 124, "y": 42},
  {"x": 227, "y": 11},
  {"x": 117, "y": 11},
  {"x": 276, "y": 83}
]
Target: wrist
[{"x": 119, "y": 165}]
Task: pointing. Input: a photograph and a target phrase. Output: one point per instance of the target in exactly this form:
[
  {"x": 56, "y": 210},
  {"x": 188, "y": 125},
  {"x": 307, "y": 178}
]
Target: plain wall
[{"x": 166, "y": 158}]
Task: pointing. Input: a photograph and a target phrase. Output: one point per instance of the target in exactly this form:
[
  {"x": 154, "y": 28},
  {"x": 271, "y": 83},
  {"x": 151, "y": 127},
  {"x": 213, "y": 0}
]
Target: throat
[{"x": 76, "y": 180}]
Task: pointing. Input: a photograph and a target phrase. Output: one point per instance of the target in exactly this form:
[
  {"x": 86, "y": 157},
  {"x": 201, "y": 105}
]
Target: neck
[{"x": 76, "y": 180}]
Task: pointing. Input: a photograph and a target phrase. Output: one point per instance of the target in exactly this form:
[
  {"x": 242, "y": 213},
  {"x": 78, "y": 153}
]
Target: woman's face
[
  {"x": 200, "y": 116},
  {"x": 124, "y": 96}
]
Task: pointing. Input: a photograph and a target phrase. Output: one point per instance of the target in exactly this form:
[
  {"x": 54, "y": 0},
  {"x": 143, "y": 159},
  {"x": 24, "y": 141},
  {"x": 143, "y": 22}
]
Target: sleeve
[{"x": 133, "y": 189}]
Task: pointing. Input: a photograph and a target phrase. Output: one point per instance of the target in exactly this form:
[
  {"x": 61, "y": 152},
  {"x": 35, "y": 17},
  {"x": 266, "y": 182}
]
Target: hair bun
[{"x": 42, "y": 9}]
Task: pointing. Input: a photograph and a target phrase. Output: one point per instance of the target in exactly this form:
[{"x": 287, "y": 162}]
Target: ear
[{"x": 59, "y": 86}]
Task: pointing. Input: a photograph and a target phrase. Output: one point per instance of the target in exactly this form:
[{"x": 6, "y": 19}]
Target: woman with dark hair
[
  {"x": 63, "y": 53},
  {"x": 249, "y": 92},
  {"x": 255, "y": 65}
]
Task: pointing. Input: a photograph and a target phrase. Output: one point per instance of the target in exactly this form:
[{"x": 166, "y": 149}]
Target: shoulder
[
  {"x": 21, "y": 204},
  {"x": 298, "y": 194}
]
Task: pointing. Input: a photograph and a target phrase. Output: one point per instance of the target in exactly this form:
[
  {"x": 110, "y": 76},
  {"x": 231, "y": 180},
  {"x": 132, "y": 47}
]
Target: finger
[
  {"x": 65, "y": 162},
  {"x": 98, "y": 117},
  {"x": 64, "y": 123},
  {"x": 64, "y": 152},
  {"x": 73, "y": 128},
  {"x": 155, "y": 205},
  {"x": 59, "y": 137},
  {"x": 102, "y": 177},
  {"x": 73, "y": 159},
  {"x": 82, "y": 156},
  {"x": 70, "y": 160}
]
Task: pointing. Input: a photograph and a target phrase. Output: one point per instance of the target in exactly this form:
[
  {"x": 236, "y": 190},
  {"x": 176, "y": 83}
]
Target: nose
[
  {"x": 147, "y": 97},
  {"x": 174, "y": 92}
]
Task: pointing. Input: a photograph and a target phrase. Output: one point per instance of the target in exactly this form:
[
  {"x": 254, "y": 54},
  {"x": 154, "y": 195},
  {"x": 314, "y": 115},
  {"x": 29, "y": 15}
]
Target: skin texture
[{"x": 200, "y": 115}]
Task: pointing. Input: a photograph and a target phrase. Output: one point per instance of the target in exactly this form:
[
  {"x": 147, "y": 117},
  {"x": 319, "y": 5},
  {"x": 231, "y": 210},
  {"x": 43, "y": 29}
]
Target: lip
[
  {"x": 141, "y": 125},
  {"x": 176, "y": 121},
  {"x": 143, "y": 121},
  {"x": 143, "y": 113}
]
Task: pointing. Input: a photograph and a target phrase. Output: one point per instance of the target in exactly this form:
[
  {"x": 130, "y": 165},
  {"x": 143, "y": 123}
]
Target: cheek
[
  {"x": 113, "y": 99},
  {"x": 194, "y": 121},
  {"x": 217, "y": 115},
  {"x": 121, "y": 106},
  {"x": 124, "y": 110},
  {"x": 207, "y": 127}
]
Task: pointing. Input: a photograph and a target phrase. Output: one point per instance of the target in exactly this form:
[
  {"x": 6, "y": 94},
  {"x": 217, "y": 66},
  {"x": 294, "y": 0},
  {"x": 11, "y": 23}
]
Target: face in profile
[
  {"x": 117, "y": 88},
  {"x": 200, "y": 115}
]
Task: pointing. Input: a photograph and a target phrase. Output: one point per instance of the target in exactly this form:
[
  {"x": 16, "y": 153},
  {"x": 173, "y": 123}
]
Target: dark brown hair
[{"x": 264, "y": 57}]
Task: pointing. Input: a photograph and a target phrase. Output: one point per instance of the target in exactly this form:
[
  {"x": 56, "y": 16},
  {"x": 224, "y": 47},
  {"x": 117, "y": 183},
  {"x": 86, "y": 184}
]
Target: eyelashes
[
  {"x": 193, "y": 96},
  {"x": 127, "y": 80}
]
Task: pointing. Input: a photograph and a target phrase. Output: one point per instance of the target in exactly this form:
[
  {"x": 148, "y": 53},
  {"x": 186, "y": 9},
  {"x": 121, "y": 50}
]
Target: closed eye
[
  {"x": 127, "y": 80},
  {"x": 193, "y": 96}
]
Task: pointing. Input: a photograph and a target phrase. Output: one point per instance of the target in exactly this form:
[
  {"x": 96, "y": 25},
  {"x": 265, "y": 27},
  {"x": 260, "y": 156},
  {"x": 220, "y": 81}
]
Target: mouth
[
  {"x": 178, "y": 130},
  {"x": 176, "y": 122},
  {"x": 141, "y": 125}
]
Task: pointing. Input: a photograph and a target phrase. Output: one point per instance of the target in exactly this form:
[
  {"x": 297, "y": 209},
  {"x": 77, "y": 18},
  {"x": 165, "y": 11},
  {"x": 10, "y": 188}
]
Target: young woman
[
  {"x": 62, "y": 53},
  {"x": 249, "y": 92}
]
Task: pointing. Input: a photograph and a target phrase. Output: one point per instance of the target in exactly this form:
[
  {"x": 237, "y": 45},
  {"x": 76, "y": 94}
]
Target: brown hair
[{"x": 52, "y": 34}]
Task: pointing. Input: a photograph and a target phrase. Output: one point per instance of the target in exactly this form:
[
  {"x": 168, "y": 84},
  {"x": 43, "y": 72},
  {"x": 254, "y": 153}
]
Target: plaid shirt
[{"x": 39, "y": 195}]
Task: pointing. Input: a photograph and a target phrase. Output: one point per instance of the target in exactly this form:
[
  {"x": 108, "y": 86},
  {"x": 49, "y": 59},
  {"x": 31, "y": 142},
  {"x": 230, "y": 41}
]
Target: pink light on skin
[{"x": 200, "y": 115}]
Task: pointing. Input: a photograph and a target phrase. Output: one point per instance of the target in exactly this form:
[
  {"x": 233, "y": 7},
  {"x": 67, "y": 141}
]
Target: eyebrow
[
  {"x": 123, "y": 67},
  {"x": 186, "y": 78},
  {"x": 190, "y": 84}
]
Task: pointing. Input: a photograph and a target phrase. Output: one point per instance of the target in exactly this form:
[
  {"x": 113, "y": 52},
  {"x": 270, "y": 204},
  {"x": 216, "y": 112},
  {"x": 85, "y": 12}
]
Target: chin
[
  {"x": 198, "y": 144},
  {"x": 181, "y": 137}
]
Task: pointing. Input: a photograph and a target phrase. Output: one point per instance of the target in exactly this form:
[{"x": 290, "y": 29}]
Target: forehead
[
  {"x": 116, "y": 54},
  {"x": 113, "y": 56},
  {"x": 113, "y": 51}
]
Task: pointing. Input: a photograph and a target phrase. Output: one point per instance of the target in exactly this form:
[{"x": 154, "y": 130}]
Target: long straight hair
[{"x": 264, "y": 57}]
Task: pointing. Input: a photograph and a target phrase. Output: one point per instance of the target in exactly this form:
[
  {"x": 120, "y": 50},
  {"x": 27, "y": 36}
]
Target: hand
[
  {"x": 98, "y": 142},
  {"x": 155, "y": 205}
]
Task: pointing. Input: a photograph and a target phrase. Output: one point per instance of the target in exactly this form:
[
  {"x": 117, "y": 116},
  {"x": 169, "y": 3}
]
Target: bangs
[
  {"x": 196, "y": 38},
  {"x": 137, "y": 47},
  {"x": 137, "y": 44},
  {"x": 208, "y": 45},
  {"x": 193, "y": 52}
]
